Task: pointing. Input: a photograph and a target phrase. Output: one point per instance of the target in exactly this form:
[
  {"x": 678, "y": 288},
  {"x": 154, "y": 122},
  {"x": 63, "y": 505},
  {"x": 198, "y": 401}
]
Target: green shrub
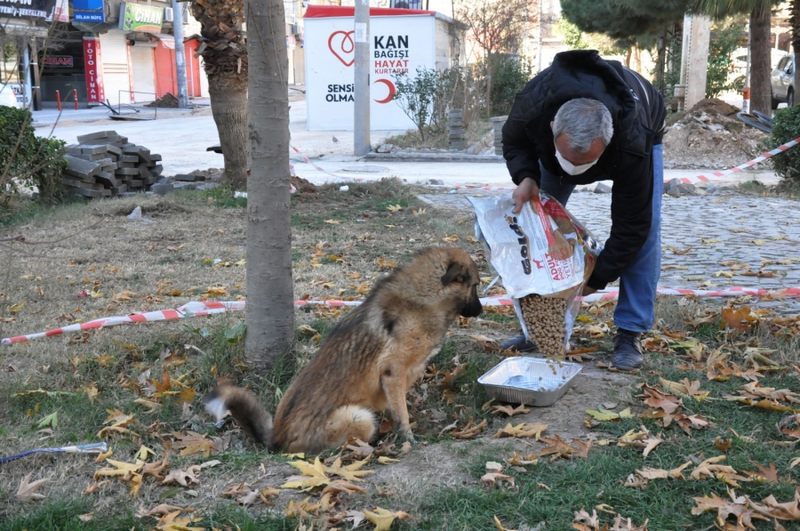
[
  {"x": 785, "y": 127},
  {"x": 509, "y": 75},
  {"x": 27, "y": 160},
  {"x": 724, "y": 41}
]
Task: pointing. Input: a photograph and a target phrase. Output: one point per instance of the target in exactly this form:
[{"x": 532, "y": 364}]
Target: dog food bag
[{"x": 543, "y": 256}]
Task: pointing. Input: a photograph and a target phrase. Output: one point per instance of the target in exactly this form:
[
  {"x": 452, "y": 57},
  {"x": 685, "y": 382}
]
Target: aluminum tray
[{"x": 528, "y": 380}]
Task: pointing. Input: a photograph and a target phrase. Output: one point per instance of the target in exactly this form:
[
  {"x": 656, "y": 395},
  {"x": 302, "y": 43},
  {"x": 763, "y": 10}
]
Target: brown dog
[{"x": 368, "y": 362}]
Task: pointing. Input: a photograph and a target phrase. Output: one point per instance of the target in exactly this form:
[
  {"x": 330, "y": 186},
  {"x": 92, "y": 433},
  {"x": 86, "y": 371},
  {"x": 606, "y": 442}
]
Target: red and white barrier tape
[
  {"x": 320, "y": 168},
  {"x": 203, "y": 308},
  {"x": 736, "y": 169}
]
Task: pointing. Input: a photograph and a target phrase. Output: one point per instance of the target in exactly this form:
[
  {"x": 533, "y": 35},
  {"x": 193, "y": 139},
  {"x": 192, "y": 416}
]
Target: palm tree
[
  {"x": 760, "y": 12},
  {"x": 224, "y": 51}
]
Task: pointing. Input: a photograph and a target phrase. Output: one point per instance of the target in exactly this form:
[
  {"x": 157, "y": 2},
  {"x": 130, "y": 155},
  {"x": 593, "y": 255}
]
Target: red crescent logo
[
  {"x": 344, "y": 48},
  {"x": 392, "y": 91}
]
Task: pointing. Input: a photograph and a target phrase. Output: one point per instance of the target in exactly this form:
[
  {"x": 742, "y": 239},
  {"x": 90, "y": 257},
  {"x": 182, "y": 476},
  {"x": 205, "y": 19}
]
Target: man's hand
[
  {"x": 523, "y": 193},
  {"x": 587, "y": 290}
]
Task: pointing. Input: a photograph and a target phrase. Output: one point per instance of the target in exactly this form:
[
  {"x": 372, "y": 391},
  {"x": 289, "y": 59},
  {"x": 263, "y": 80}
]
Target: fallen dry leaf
[
  {"x": 606, "y": 415},
  {"x": 383, "y": 518},
  {"x": 736, "y": 506},
  {"x": 192, "y": 443},
  {"x": 497, "y": 479},
  {"x": 470, "y": 431},
  {"x": 523, "y": 430},
  {"x": 510, "y": 411},
  {"x": 711, "y": 468},
  {"x": 162, "y": 509},
  {"x": 723, "y": 445},
  {"x": 302, "y": 509},
  {"x": 768, "y": 473},
  {"x": 516, "y": 459},
  {"x": 685, "y": 388},
  {"x": 183, "y": 477},
  {"x": 27, "y": 490},
  {"x": 556, "y": 447},
  {"x": 117, "y": 423}
]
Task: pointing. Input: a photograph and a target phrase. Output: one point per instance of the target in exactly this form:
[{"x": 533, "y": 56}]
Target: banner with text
[
  {"x": 399, "y": 44},
  {"x": 140, "y": 17},
  {"x": 31, "y": 9},
  {"x": 90, "y": 11},
  {"x": 93, "y": 68}
]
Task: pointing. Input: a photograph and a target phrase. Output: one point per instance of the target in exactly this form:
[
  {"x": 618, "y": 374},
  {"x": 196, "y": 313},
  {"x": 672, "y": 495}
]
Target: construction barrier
[{"x": 204, "y": 308}]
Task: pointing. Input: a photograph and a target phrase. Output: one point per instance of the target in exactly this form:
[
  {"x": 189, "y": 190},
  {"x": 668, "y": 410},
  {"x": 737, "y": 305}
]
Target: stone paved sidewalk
[{"x": 709, "y": 242}]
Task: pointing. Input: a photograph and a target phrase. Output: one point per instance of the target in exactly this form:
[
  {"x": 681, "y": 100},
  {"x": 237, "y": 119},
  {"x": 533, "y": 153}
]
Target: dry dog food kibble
[{"x": 544, "y": 318}]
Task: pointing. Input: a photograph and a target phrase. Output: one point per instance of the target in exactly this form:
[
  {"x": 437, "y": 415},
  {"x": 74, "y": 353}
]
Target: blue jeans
[{"x": 635, "y": 310}]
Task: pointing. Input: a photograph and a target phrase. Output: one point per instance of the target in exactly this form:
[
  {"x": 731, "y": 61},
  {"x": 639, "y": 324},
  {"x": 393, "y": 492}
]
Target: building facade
[{"x": 97, "y": 51}]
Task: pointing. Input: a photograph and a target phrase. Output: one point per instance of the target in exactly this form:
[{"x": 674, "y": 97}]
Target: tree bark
[
  {"x": 661, "y": 57},
  {"x": 760, "y": 68},
  {"x": 229, "y": 109},
  {"x": 224, "y": 52},
  {"x": 270, "y": 296},
  {"x": 794, "y": 21}
]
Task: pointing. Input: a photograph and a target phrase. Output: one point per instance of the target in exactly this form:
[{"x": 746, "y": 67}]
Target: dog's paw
[{"x": 407, "y": 436}]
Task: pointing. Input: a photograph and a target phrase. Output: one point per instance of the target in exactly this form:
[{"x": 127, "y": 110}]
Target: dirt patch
[{"x": 710, "y": 136}]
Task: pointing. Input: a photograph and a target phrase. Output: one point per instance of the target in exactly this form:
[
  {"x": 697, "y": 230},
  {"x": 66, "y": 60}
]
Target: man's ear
[{"x": 455, "y": 273}]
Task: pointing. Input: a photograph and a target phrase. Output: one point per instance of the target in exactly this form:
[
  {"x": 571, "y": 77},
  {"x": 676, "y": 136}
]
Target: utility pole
[
  {"x": 361, "y": 142},
  {"x": 26, "y": 80},
  {"x": 180, "y": 58}
]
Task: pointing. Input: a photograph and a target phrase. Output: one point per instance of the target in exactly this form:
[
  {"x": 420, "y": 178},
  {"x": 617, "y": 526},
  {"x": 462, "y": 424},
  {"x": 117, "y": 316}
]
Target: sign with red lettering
[
  {"x": 93, "y": 68},
  {"x": 400, "y": 41},
  {"x": 59, "y": 61}
]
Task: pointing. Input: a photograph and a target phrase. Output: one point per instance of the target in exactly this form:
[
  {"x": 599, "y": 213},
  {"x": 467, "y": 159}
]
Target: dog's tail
[{"x": 245, "y": 407}]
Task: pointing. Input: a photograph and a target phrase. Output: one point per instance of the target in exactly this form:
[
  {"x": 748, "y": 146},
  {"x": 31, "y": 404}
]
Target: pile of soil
[
  {"x": 710, "y": 136},
  {"x": 167, "y": 100},
  {"x": 303, "y": 186}
]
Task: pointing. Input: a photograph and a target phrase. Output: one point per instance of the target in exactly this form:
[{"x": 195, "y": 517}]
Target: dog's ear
[{"x": 456, "y": 272}]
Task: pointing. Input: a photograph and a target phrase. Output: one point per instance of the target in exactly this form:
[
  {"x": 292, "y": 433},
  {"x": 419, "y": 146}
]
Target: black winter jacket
[{"x": 637, "y": 110}]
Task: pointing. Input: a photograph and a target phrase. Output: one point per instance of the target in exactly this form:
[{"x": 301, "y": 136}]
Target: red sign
[
  {"x": 59, "y": 61},
  {"x": 93, "y": 67}
]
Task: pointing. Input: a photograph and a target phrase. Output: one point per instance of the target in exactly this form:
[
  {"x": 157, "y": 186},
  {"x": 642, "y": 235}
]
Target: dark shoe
[
  {"x": 519, "y": 343},
  {"x": 628, "y": 353}
]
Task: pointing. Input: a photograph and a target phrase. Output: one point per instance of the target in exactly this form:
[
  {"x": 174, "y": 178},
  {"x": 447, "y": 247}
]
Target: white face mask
[{"x": 571, "y": 168}]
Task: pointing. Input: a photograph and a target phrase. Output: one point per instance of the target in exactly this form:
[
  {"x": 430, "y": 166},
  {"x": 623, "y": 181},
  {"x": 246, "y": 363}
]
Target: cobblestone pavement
[{"x": 713, "y": 241}]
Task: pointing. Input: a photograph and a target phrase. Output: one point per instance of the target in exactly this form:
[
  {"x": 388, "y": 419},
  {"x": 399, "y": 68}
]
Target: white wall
[{"x": 114, "y": 54}]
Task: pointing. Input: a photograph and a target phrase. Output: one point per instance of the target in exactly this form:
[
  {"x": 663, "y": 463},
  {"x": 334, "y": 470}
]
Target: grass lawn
[{"x": 716, "y": 406}]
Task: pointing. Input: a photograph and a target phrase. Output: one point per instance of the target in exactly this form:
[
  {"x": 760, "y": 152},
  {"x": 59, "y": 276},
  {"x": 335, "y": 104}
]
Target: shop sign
[
  {"x": 140, "y": 17},
  {"x": 93, "y": 68},
  {"x": 91, "y": 11},
  {"x": 33, "y": 9},
  {"x": 59, "y": 61}
]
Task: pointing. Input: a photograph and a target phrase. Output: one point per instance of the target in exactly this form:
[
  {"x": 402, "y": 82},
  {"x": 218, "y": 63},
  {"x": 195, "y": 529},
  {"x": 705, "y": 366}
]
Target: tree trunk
[
  {"x": 229, "y": 109},
  {"x": 637, "y": 58},
  {"x": 224, "y": 51},
  {"x": 760, "y": 69},
  {"x": 661, "y": 47},
  {"x": 270, "y": 297},
  {"x": 794, "y": 21}
]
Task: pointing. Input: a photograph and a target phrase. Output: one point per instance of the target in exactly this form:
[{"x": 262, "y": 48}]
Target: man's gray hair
[{"x": 583, "y": 120}]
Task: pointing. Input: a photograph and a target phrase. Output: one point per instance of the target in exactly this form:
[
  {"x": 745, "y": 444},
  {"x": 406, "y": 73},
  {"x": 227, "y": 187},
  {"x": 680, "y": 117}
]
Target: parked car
[{"x": 783, "y": 82}]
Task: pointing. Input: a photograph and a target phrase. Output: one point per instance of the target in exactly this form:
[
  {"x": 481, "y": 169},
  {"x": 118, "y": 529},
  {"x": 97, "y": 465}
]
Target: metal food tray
[{"x": 528, "y": 380}]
